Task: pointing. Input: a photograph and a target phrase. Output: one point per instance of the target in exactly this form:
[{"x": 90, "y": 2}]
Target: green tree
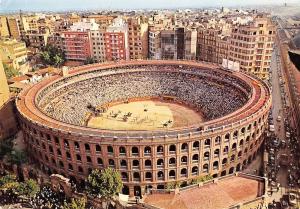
[
  {"x": 8, "y": 182},
  {"x": 52, "y": 55},
  {"x": 105, "y": 184},
  {"x": 29, "y": 188},
  {"x": 10, "y": 72},
  {"x": 76, "y": 204},
  {"x": 17, "y": 157}
]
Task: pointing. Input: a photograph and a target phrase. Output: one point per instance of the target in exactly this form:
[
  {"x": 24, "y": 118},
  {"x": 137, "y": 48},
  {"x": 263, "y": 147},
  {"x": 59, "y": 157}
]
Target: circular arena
[{"x": 154, "y": 121}]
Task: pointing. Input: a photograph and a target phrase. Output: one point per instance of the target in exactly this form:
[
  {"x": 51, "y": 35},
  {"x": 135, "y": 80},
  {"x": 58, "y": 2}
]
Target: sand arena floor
[{"x": 146, "y": 115}]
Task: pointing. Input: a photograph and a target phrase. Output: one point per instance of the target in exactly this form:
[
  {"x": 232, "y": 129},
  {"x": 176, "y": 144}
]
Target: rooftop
[{"x": 223, "y": 193}]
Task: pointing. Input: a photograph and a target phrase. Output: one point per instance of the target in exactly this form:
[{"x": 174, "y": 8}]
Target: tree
[
  {"x": 17, "y": 157},
  {"x": 76, "y": 204},
  {"x": 47, "y": 198},
  {"x": 29, "y": 188},
  {"x": 10, "y": 72},
  {"x": 52, "y": 55},
  {"x": 105, "y": 184}
]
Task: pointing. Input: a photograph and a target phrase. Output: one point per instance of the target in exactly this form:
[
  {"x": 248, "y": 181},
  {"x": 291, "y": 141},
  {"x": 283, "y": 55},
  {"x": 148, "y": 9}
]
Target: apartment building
[
  {"x": 251, "y": 45},
  {"x": 4, "y": 31},
  {"x": 77, "y": 41},
  {"x": 4, "y": 90},
  {"x": 190, "y": 44},
  {"x": 172, "y": 43},
  {"x": 14, "y": 27},
  {"x": 212, "y": 46},
  {"x": 154, "y": 48},
  {"x": 137, "y": 38},
  {"x": 116, "y": 41},
  {"x": 98, "y": 45},
  {"x": 14, "y": 54}
]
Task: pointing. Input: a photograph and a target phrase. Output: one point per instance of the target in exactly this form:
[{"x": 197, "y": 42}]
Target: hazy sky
[{"x": 52, "y": 5}]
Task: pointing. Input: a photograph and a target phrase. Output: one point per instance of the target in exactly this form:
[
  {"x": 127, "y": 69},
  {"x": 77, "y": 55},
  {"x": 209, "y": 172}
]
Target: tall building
[
  {"x": 190, "y": 44},
  {"x": 4, "y": 31},
  {"x": 172, "y": 43},
  {"x": 212, "y": 46},
  {"x": 251, "y": 45},
  {"x": 137, "y": 38},
  {"x": 14, "y": 28},
  {"x": 154, "y": 49},
  {"x": 4, "y": 90},
  {"x": 77, "y": 41},
  {"x": 116, "y": 41},
  {"x": 14, "y": 54},
  {"x": 98, "y": 45}
]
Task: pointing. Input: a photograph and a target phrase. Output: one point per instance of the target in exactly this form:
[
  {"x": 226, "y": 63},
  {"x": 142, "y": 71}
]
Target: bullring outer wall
[{"x": 55, "y": 146}]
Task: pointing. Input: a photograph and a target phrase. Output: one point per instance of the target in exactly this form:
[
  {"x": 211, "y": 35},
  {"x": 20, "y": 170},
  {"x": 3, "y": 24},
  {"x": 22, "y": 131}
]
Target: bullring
[{"x": 53, "y": 116}]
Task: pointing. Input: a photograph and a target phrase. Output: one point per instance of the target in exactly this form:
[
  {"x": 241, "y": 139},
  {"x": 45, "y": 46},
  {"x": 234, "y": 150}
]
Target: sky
[{"x": 59, "y": 5}]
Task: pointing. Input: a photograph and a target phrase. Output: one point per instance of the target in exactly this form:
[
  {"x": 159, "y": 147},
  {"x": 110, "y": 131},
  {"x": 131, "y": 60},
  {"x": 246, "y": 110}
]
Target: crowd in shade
[{"x": 214, "y": 93}]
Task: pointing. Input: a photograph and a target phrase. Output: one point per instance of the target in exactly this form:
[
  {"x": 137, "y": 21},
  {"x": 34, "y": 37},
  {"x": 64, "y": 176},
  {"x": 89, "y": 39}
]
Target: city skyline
[{"x": 48, "y": 5}]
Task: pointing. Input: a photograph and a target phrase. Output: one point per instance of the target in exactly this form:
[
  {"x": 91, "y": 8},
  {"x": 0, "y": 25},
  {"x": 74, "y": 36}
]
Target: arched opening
[
  {"x": 160, "y": 175},
  {"x": 148, "y": 176},
  {"x": 224, "y": 161},
  {"x": 110, "y": 149},
  {"x": 217, "y": 140},
  {"x": 223, "y": 173},
  {"x": 195, "y": 171},
  {"x": 99, "y": 161},
  {"x": 66, "y": 143},
  {"x": 216, "y": 165},
  {"x": 87, "y": 147},
  {"x": 98, "y": 148},
  {"x": 160, "y": 186},
  {"x": 172, "y": 174},
  {"x": 80, "y": 170},
  {"x": 195, "y": 158},
  {"x": 225, "y": 150},
  {"x": 147, "y": 150},
  {"x": 217, "y": 153},
  {"x": 123, "y": 163},
  {"x": 172, "y": 148},
  {"x": 111, "y": 162},
  {"x": 76, "y": 145},
  {"x": 125, "y": 190},
  {"x": 172, "y": 161},
  {"x": 240, "y": 154},
  {"x": 136, "y": 176},
  {"x": 78, "y": 157},
  {"x": 205, "y": 167},
  {"x": 238, "y": 167},
  {"x": 124, "y": 176},
  {"x": 183, "y": 160},
  {"x": 70, "y": 167},
  {"x": 184, "y": 147},
  {"x": 231, "y": 170},
  {"x": 160, "y": 163},
  {"x": 243, "y": 130},
  {"x": 233, "y": 147},
  {"x": 245, "y": 162},
  {"x": 206, "y": 155},
  {"x": 196, "y": 145},
  {"x": 88, "y": 159},
  {"x": 235, "y": 134},
  {"x": 247, "y": 139},
  {"x": 227, "y": 137},
  {"x": 160, "y": 149},
  {"x": 122, "y": 150},
  {"x": 232, "y": 158},
  {"x": 183, "y": 172},
  {"x": 215, "y": 175},
  {"x": 137, "y": 191},
  {"x": 148, "y": 163},
  {"x": 207, "y": 142},
  {"x": 135, "y": 163},
  {"x": 241, "y": 142},
  {"x": 134, "y": 151}
]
